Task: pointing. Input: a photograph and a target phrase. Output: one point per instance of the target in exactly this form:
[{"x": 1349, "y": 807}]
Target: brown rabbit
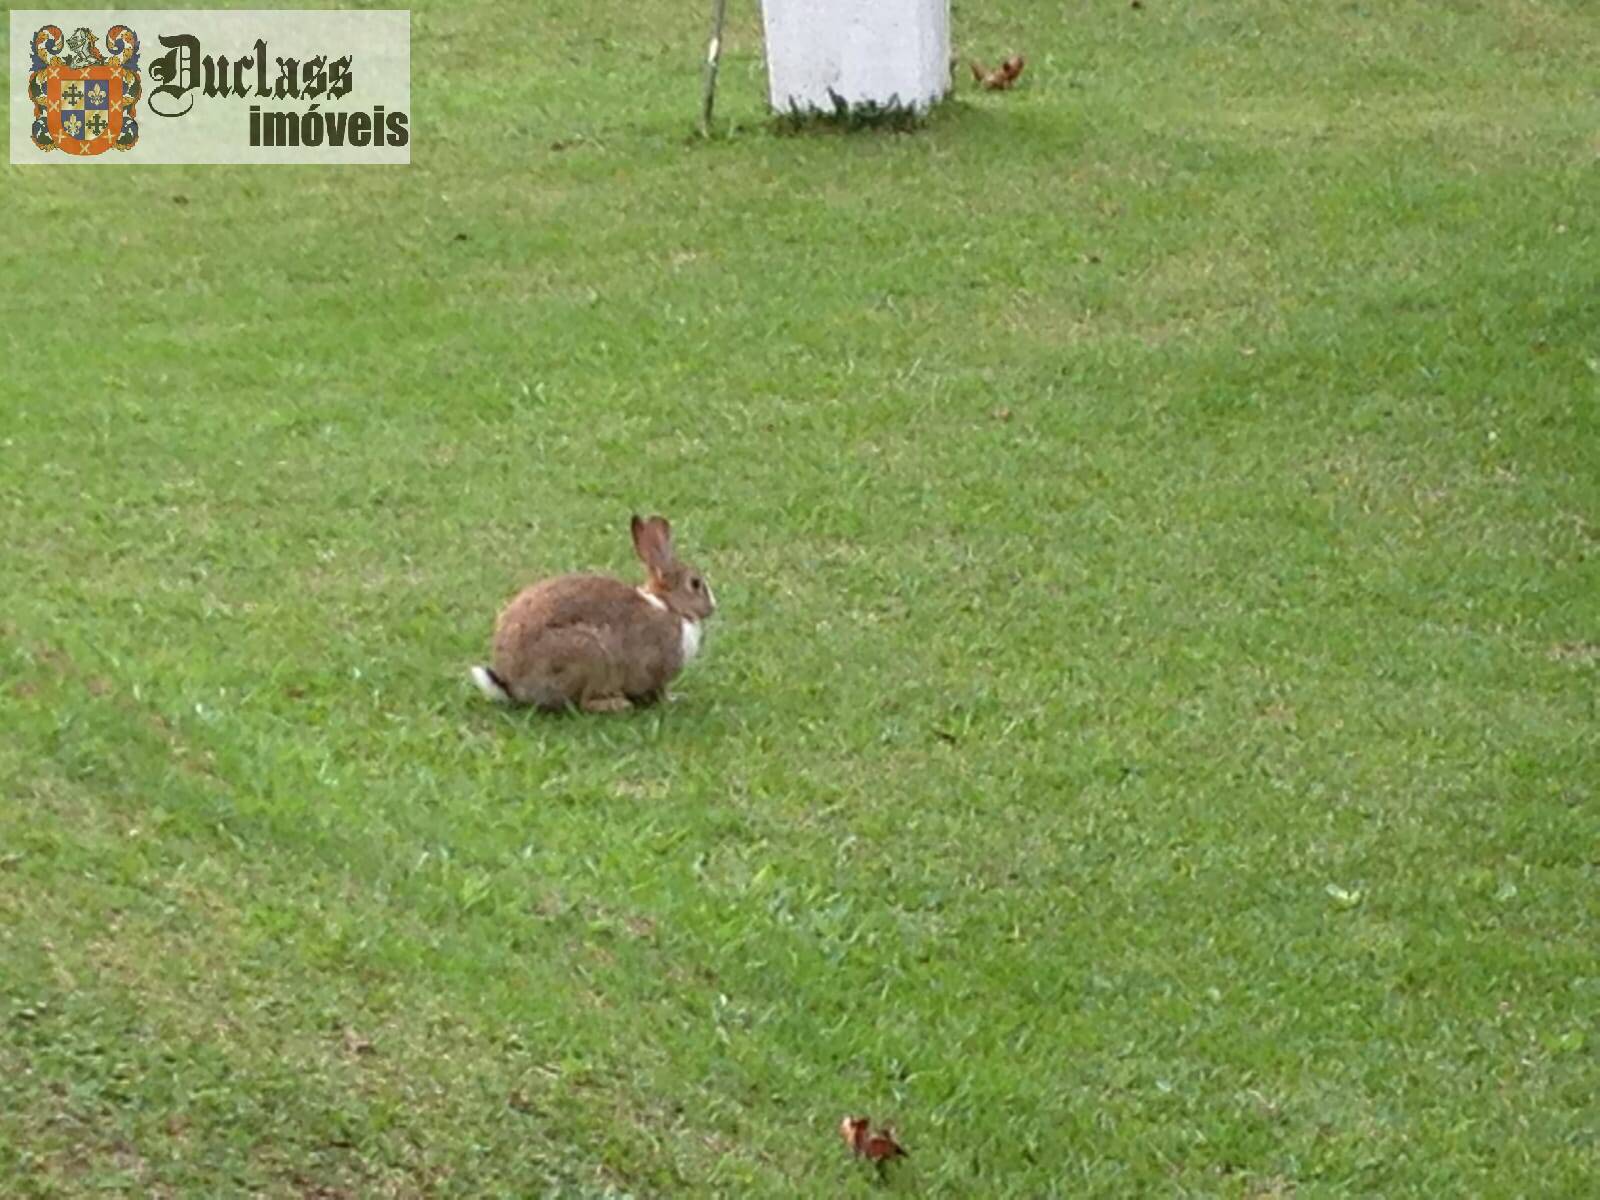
[{"x": 598, "y": 643}]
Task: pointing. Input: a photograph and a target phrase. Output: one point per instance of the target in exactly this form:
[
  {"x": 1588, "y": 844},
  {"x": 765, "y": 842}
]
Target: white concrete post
[{"x": 863, "y": 51}]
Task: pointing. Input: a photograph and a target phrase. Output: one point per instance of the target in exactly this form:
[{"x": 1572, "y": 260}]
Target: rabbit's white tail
[{"x": 491, "y": 685}]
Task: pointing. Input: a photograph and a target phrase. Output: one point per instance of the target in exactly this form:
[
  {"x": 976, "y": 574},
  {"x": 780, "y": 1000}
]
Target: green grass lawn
[{"x": 1149, "y": 741}]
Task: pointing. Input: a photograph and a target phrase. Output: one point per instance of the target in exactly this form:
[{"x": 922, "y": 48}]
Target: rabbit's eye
[{"x": 694, "y": 584}]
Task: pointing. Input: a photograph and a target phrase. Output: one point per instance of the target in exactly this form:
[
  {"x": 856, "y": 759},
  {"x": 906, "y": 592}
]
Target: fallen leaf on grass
[{"x": 1343, "y": 897}]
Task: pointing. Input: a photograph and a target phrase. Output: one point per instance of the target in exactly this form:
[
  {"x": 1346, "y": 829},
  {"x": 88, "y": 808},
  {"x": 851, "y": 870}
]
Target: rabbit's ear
[{"x": 652, "y": 541}]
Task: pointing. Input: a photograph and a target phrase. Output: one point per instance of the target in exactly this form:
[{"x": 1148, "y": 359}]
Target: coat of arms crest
[{"x": 84, "y": 102}]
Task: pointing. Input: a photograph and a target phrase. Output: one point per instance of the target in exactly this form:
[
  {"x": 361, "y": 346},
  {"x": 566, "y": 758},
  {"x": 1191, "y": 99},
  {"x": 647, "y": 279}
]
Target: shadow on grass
[{"x": 1011, "y": 128}]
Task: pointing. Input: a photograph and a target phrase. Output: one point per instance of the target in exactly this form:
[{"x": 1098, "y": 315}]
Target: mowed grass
[{"x": 1149, "y": 742}]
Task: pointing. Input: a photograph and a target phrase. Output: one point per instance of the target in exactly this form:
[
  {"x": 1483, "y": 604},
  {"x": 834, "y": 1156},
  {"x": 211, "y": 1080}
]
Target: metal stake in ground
[{"x": 713, "y": 56}]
